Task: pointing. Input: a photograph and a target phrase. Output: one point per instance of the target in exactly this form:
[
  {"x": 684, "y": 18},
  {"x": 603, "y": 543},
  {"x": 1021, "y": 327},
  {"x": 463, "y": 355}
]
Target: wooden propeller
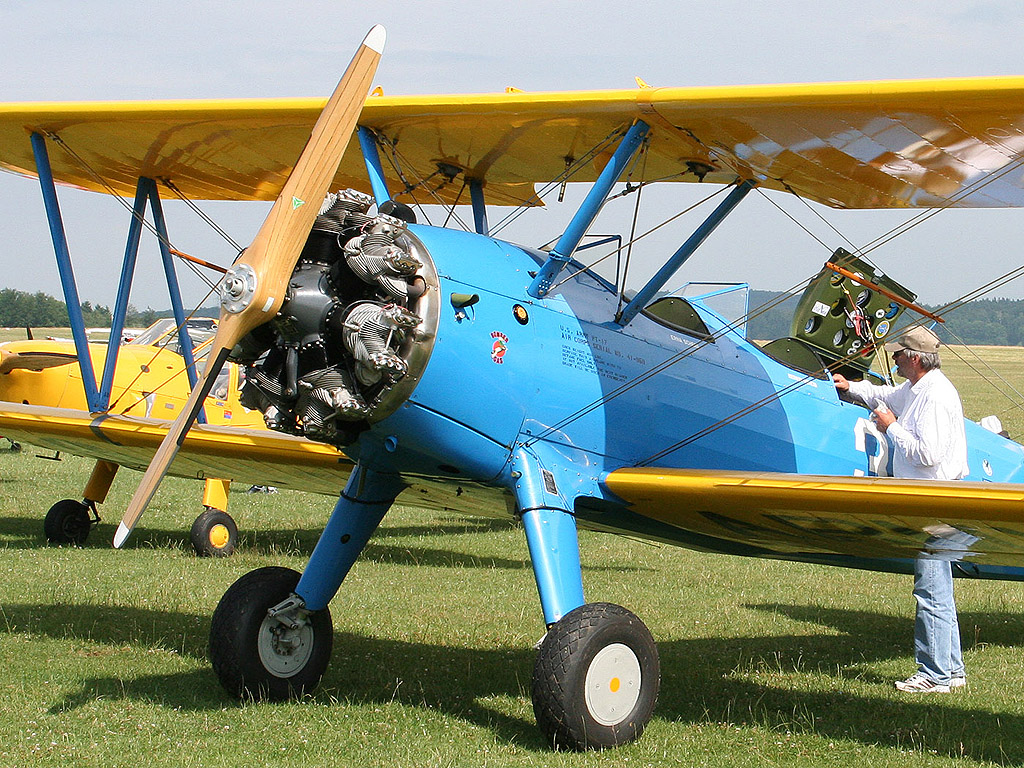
[{"x": 254, "y": 288}]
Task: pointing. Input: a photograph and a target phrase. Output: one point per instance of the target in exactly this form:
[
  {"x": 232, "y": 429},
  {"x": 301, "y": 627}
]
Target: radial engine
[{"x": 355, "y": 330}]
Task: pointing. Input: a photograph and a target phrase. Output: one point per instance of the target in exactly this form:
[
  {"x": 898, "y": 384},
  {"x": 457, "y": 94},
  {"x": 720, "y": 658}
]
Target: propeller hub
[{"x": 237, "y": 288}]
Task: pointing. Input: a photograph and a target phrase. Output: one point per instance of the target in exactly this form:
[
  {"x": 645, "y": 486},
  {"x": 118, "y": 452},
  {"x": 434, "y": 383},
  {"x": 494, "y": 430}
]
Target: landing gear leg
[
  {"x": 271, "y": 634},
  {"x": 597, "y": 675},
  {"x": 263, "y": 645},
  {"x": 69, "y": 522},
  {"x": 596, "y": 678}
]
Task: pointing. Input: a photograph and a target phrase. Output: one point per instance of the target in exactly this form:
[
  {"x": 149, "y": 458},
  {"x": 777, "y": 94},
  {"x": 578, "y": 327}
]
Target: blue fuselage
[{"x": 588, "y": 396}]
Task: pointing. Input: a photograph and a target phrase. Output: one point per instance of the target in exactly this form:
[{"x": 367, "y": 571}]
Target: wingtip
[
  {"x": 376, "y": 38},
  {"x": 122, "y": 534}
]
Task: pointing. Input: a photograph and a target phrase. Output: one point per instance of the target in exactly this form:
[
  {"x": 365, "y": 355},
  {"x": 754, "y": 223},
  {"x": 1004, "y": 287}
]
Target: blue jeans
[{"x": 936, "y": 630}]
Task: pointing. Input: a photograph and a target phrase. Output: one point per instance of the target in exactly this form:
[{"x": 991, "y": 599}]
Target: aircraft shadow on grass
[
  {"x": 875, "y": 633},
  {"x": 375, "y": 670},
  {"x": 25, "y": 533},
  {"x": 22, "y": 532}
]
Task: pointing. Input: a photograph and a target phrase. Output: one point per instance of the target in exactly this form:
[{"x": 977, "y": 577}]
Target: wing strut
[
  {"x": 66, "y": 271},
  {"x": 476, "y": 196},
  {"x": 146, "y": 190},
  {"x": 588, "y": 210},
  {"x": 374, "y": 168},
  {"x": 98, "y": 395}
]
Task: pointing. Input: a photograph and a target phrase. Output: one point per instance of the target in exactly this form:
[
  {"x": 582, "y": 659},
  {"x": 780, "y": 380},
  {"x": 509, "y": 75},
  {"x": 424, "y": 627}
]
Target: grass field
[{"x": 103, "y": 653}]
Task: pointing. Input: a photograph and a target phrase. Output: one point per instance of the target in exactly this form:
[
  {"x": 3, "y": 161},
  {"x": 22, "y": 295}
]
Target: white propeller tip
[
  {"x": 375, "y": 39},
  {"x": 122, "y": 534}
]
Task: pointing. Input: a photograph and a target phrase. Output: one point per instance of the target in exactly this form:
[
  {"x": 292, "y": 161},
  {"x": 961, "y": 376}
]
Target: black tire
[
  {"x": 607, "y": 649},
  {"x": 246, "y": 647},
  {"x": 67, "y": 522},
  {"x": 214, "y": 534}
]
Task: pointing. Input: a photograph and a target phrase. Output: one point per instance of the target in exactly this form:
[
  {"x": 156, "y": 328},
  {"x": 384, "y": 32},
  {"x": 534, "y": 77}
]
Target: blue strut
[
  {"x": 555, "y": 554},
  {"x": 131, "y": 253},
  {"x": 374, "y": 169},
  {"x": 476, "y": 197},
  {"x": 550, "y": 535},
  {"x": 588, "y": 210},
  {"x": 173, "y": 289},
  {"x": 67, "y": 274},
  {"x": 362, "y": 505}
]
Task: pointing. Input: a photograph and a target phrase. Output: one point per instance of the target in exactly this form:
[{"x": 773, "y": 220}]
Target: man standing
[{"x": 925, "y": 420}]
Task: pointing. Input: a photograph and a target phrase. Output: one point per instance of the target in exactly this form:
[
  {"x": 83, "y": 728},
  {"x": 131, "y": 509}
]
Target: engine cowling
[{"x": 355, "y": 330}]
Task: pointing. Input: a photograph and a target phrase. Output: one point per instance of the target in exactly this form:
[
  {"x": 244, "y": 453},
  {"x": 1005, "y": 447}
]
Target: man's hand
[
  {"x": 883, "y": 417},
  {"x": 842, "y": 384}
]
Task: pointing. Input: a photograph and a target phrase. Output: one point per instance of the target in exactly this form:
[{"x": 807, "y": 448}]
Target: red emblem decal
[{"x": 499, "y": 347}]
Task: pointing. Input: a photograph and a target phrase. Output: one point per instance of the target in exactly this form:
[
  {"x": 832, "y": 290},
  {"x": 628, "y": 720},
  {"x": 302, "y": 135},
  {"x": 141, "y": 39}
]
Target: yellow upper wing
[{"x": 856, "y": 145}]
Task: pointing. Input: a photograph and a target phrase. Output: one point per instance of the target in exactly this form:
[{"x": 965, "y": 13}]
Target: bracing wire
[
  {"x": 124, "y": 203},
  {"x": 451, "y": 209},
  {"x": 773, "y": 397},
  {"x": 201, "y": 214},
  {"x": 992, "y": 285},
  {"x": 400, "y": 163},
  {"x": 397, "y": 160},
  {"x": 1017, "y": 404},
  {"x": 573, "y": 166},
  {"x": 819, "y": 216},
  {"x": 632, "y": 228},
  {"x": 642, "y": 235},
  {"x": 143, "y": 369},
  {"x": 667, "y": 363}
]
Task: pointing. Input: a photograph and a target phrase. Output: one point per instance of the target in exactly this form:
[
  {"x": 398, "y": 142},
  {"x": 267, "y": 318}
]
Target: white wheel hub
[
  {"x": 612, "y": 686},
  {"x": 284, "y": 651}
]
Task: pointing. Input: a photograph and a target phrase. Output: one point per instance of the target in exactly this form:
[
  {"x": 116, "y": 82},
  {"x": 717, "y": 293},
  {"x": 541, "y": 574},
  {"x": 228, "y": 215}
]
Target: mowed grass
[
  {"x": 991, "y": 381},
  {"x": 104, "y": 663}
]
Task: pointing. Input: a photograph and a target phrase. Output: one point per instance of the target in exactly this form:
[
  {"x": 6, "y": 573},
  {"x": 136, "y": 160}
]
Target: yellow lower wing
[
  {"x": 811, "y": 514},
  {"x": 246, "y": 456},
  {"x": 251, "y": 456}
]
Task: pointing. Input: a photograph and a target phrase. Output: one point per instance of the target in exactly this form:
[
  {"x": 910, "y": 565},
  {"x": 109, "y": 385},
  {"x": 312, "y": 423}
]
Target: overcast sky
[{"x": 75, "y": 50}]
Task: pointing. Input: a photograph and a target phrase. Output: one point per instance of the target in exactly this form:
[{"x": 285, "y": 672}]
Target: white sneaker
[
  {"x": 958, "y": 681},
  {"x": 918, "y": 683}
]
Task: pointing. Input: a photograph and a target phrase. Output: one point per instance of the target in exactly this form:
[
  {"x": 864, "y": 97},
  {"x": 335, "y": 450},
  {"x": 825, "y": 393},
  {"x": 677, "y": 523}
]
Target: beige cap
[{"x": 919, "y": 339}]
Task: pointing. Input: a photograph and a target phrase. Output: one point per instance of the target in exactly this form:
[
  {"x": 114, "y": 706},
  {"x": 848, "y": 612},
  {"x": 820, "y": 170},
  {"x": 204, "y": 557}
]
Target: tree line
[
  {"x": 998, "y": 322},
  {"x": 19, "y": 309}
]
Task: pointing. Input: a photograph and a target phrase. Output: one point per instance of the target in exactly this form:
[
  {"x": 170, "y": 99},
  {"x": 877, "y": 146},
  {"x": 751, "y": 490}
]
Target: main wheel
[
  {"x": 260, "y": 657},
  {"x": 596, "y": 679},
  {"x": 67, "y": 522},
  {"x": 214, "y": 534}
]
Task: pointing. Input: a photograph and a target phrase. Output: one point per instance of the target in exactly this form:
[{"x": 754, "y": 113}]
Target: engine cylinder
[{"x": 355, "y": 330}]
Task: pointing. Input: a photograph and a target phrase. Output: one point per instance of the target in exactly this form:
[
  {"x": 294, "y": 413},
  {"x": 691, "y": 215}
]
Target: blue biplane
[{"x": 455, "y": 369}]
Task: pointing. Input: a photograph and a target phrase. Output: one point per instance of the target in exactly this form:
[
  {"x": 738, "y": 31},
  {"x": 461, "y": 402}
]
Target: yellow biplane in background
[{"x": 149, "y": 381}]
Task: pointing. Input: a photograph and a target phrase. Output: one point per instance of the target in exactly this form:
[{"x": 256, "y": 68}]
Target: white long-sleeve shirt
[{"x": 929, "y": 435}]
